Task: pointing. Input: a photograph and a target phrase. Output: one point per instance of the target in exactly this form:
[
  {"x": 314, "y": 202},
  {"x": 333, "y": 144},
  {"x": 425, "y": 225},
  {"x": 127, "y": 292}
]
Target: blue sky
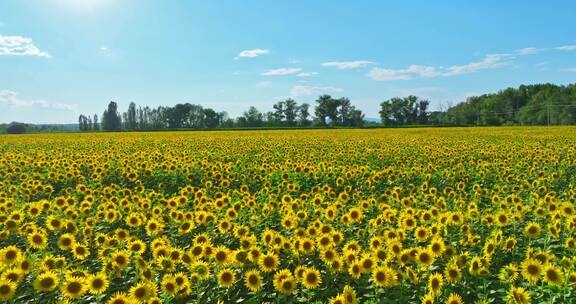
[{"x": 60, "y": 58}]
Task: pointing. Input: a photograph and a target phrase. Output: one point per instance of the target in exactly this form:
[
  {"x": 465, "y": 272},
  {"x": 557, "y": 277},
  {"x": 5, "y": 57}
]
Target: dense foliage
[
  {"x": 474, "y": 215},
  {"x": 541, "y": 104}
]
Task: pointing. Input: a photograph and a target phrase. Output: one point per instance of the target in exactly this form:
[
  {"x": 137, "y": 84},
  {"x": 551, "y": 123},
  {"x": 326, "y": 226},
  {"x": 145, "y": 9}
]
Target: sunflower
[
  {"x": 428, "y": 299},
  {"x": 268, "y": 262},
  {"x": 200, "y": 268},
  {"x": 66, "y": 241},
  {"x": 120, "y": 298},
  {"x": 531, "y": 270},
  {"x": 197, "y": 251},
  {"x": 221, "y": 255},
  {"x": 349, "y": 295},
  {"x": 437, "y": 246},
  {"x": 572, "y": 278},
  {"x": 141, "y": 292},
  {"x": 37, "y": 240},
  {"x": 475, "y": 266},
  {"x": 452, "y": 273},
  {"x": 120, "y": 259},
  {"x": 532, "y": 230},
  {"x": 97, "y": 283},
  {"x": 253, "y": 280},
  {"x": 153, "y": 227},
  {"x": 339, "y": 299},
  {"x": 13, "y": 275},
  {"x": 7, "y": 289},
  {"x": 284, "y": 282},
  {"x": 435, "y": 283},
  {"x": 25, "y": 264},
  {"x": 168, "y": 284},
  {"x": 53, "y": 223},
  {"x": 421, "y": 234},
  {"x": 380, "y": 277},
  {"x": 355, "y": 269},
  {"x": 311, "y": 278},
  {"x": 46, "y": 281},
  {"x": 80, "y": 251},
  {"x": 226, "y": 277},
  {"x": 508, "y": 273},
  {"x": 553, "y": 275},
  {"x": 454, "y": 298},
  {"x": 367, "y": 263},
  {"x": 509, "y": 244},
  {"x": 9, "y": 255},
  {"x": 425, "y": 257},
  {"x": 73, "y": 287},
  {"x": 324, "y": 241},
  {"x": 518, "y": 295}
]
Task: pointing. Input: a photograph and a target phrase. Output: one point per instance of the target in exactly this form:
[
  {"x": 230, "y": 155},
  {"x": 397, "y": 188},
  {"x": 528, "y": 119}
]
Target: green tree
[
  {"x": 290, "y": 111},
  {"x": 111, "y": 119},
  {"x": 304, "y": 115}
]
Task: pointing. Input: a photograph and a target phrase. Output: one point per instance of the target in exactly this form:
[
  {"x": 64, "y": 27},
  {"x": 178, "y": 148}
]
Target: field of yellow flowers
[{"x": 470, "y": 215}]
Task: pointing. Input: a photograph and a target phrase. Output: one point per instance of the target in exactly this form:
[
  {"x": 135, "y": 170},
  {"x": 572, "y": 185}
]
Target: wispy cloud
[
  {"x": 10, "y": 98},
  {"x": 490, "y": 61},
  {"x": 282, "y": 72},
  {"x": 252, "y": 53},
  {"x": 422, "y": 71},
  {"x": 307, "y": 74},
  {"x": 571, "y": 70},
  {"x": 411, "y": 72},
  {"x": 301, "y": 90},
  {"x": 19, "y": 46},
  {"x": 528, "y": 51},
  {"x": 566, "y": 48},
  {"x": 347, "y": 65}
]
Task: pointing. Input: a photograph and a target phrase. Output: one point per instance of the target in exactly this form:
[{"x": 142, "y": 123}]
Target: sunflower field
[{"x": 454, "y": 215}]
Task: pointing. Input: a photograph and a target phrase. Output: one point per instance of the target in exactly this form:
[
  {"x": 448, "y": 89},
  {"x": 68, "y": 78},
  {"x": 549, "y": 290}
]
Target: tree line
[
  {"x": 540, "y": 104},
  {"x": 329, "y": 111}
]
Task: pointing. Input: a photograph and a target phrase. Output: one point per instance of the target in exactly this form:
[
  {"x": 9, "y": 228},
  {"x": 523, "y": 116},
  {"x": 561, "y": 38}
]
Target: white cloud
[
  {"x": 104, "y": 49},
  {"x": 413, "y": 71},
  {"x": 490, "y": 61},
  {"x": 346, "y": 65},
  {"x": 301, "y": 90},
  {"x": 10, "y": 98},
  {"x": 19, "y": 46},
  {"x": 567, "y": 48},
  {"x": 422, "y": 71},
  {"x": 541, "y": 63},
  {"x": 307, "y": 74},
  {"x": 571, "y": 70},
  {"x": 252, "y": 53},
  {"x": 281, "y": 72},
  {"x": 528, "y": 51}
]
